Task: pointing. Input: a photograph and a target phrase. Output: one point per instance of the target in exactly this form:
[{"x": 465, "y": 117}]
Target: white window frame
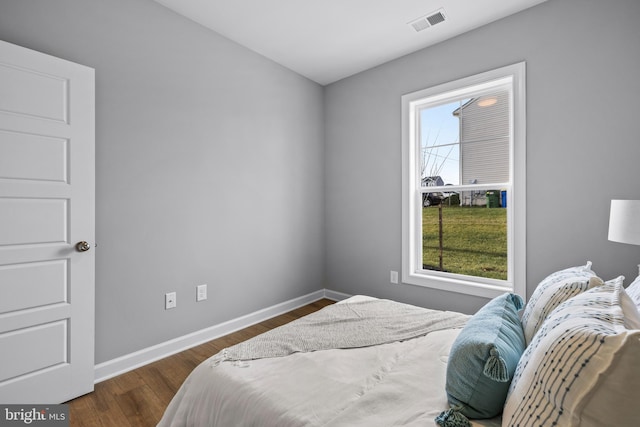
[{"x": 412, "y": 271}]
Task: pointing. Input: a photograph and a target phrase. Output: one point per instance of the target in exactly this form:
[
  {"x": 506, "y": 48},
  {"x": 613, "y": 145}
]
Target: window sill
[{"x": 486, "y": 290}]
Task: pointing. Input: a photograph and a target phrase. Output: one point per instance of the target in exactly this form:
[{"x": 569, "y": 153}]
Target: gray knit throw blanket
[{"x": 350, "y": 325}]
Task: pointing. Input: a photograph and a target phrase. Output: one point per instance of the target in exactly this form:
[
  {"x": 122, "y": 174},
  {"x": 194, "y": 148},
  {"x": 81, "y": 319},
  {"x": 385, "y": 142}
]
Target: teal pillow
[{"x": 482, "y": 361}]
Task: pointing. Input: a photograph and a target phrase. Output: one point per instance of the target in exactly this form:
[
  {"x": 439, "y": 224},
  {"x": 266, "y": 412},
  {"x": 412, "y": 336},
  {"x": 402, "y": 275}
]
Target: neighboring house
[
  {"x": 429, "y": 199},
  {"x": 484, "y": 139}
]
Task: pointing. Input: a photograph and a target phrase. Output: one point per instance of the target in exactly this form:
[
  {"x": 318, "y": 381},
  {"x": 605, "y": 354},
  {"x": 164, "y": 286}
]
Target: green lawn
[{"x": 474, "y": 240}]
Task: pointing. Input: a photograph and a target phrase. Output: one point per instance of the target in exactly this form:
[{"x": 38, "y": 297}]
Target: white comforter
[{"x": 397, "y": 384}]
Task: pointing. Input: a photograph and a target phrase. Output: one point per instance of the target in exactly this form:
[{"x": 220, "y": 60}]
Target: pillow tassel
[
  {"x": 496, "y": 367},
  {"x": 452, "y": 418}
]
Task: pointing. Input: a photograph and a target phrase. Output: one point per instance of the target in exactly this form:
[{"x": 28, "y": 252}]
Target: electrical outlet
[
  {"x": 393, "y": 277},
  {"x": 169, "y": 300},
  {"x": 201, "y": 292}
]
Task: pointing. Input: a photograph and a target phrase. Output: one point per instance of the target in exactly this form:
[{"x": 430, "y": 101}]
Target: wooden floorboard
[{"x": 138, "y": 398}]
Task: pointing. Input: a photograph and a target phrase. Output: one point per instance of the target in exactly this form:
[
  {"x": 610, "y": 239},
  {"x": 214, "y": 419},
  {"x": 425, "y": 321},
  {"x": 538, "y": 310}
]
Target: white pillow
[
  {"x": 553, "y": 291},
  {"x": 634, "y": 291},
  {"x": 629, "y": 308},
  {"x": 631, "y": 313},
  {"x": 581, "y": 367}
]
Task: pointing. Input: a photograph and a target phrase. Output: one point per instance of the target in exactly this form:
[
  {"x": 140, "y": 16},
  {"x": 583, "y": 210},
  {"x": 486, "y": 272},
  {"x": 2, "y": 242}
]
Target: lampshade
[{"x": 624, "y": 221}]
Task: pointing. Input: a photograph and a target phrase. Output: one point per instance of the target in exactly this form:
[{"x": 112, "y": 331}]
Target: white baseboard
[
  {"x": 128, "y": 362},
  {"x": 335, "y": 296}
]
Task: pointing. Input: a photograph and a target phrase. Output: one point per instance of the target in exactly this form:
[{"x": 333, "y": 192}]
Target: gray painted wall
[
  {"x": 215, "y": 165},
  {"x": 209, "y": 167},
  {"x": 583, "y": 144}
]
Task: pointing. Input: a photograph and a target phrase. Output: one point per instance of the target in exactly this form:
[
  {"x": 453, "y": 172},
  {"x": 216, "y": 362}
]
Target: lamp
[{"x": 624, "y": 221}]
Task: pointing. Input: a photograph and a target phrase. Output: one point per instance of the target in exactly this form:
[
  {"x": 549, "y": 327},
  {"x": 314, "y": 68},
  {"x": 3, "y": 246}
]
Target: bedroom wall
[
  {"x": 209, "y": 164},
  {"x": 583, "y": 144},
  {"x": 210, "y": 158}
]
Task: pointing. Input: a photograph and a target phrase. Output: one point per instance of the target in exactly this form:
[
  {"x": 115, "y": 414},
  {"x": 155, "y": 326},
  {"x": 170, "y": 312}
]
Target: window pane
[
  {"x": 440, "y": 142},
  {"x": 473, "y": 242},
  {"x": 466, "y": 141}
]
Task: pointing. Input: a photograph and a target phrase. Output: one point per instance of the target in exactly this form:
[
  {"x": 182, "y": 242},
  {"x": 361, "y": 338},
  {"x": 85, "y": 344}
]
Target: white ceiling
[{"x": 328, "y": 40}]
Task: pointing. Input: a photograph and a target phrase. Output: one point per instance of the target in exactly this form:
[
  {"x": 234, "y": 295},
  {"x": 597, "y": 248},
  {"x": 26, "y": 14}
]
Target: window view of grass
[{"x": 474, "y": 240}]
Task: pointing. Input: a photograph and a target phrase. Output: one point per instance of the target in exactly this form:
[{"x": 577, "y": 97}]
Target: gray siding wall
[{"x": 484, "y": 142}]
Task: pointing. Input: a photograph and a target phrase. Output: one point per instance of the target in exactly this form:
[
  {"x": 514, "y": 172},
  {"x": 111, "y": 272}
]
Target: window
[{"x": 463, "y": 200}]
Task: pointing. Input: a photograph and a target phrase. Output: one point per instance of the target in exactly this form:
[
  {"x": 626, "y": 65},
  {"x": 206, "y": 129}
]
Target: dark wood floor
[{"x": 138, "y": 398}]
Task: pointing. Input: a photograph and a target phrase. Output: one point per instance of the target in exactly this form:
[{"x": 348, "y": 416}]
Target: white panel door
[{"x": 47, "y": 206}]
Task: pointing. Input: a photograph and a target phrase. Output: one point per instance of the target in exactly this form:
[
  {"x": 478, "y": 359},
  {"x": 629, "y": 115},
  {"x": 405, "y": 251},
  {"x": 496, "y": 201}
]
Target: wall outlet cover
[
  {"x": 393, "y": 277},
  {"x": 201, "y": 292},
  {"x": 169, "y": 300}
]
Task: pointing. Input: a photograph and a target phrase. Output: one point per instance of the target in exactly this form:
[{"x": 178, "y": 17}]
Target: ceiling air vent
[
  {"x": 429, "y": 20},
  {"x": 436, "y": 18}
]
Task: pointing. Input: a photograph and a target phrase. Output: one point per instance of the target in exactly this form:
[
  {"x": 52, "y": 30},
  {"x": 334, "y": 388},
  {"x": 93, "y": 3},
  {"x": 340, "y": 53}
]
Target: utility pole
[{"x": 440, "y": 233}]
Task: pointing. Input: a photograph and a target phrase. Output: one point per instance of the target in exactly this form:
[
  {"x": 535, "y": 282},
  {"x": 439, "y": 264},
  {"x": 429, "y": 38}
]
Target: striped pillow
[
  {"x": 553, "y": 291},
  {"x": 581, "y": 367}
]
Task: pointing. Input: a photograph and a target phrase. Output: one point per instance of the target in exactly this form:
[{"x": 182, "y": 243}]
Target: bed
[{"x": 279, "y": 379}]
